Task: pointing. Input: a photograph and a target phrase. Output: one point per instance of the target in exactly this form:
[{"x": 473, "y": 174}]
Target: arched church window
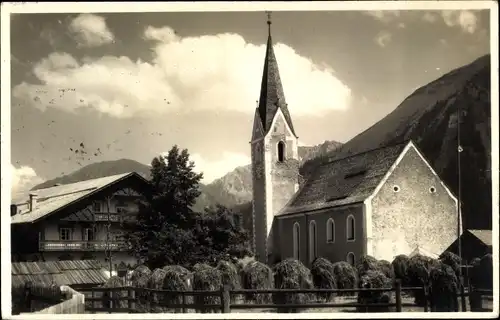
[
  {"x": 312, "y": 241},
  {"x": 330, "y": 231},
  {"x": 351, "y": 227},
  {"x": 296, "y": 241},
  {"x": 281, "y": 151},
  {"x": 351, "y": 259}
]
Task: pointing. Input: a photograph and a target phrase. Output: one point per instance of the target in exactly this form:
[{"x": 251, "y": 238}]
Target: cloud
[
  {"x": 90, "y": 30},
  {"x": 465, "y": 19},
  {"x": 430, "y": 17},
  {"x": 211, "y": 72},
  {"x": 23, "y": 179},
  {"x": 214, "y": 169},
  {"x": 383, "y": 16},
  {"x": 383, "y": 38}
]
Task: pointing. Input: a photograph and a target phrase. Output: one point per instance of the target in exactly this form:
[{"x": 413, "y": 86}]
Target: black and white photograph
[{"x": 250, "y": 160}]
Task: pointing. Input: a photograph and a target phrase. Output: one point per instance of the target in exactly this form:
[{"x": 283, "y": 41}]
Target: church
[{"x": 382, "y": 202}]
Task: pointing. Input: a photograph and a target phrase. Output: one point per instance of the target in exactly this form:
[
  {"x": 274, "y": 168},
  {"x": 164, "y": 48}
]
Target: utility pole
[{"x": 108, "y": 227}]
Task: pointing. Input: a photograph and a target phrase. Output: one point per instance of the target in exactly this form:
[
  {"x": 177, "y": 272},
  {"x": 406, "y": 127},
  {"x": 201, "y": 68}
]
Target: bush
[
  {"x": 387, "y": 269},
  {"x": 230, "y": 276},
  {"x": 346, "y": 277},
  {"x": 206, "y": 278},
  {"x": 419, "y": 268},
  {"x": 374, "y": 279},
  {"x": 156, "y": 282},
  {"x": 323, "y": 277},
  {"x": 366, "y": 263},
  {"x": 291, "y": 274},
  {"x": 112, "y": 296},
  {"x": 400, "y": 266},
  {"x": 256, "y": 275},
  {"x": 176, "y": 278},
  {"x": 443, "y": 288},
  {"x": 452, "y": 260}
]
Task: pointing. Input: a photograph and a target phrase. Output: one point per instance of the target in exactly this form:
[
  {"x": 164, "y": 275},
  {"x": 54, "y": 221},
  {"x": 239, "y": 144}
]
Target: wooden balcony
[{"x": 80, "y": 245}]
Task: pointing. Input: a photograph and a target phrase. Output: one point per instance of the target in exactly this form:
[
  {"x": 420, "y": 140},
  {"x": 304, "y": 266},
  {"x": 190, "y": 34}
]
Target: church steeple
[{"x": 272, "y": 96}]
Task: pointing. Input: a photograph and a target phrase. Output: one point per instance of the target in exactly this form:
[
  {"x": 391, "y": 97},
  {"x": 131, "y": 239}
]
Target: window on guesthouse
[
  {"x": 312, "y": 241},
  {"x": 88, "y": 234},
  {"x": 96, "y": 206},
  {"x": 296, "y": 241},
  {"x": 351, "y": 227},
  {"x": 281, "y": 151},
  {"x": 351, "y": 259},
  {"x": 65, "y": 234},
  {"x": 330, "y": 231}
]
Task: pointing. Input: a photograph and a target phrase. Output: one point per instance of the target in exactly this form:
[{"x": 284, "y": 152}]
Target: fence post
[
  {"x": 27, "y": 297},
  {"x": 225, "y": 299},
  {"x": 426, "y": 298},
  {"x": 455, "y": 300},
  {"x": 398, "y": 295},
  {"x": 462, "y": 300},
  {"x": 131, "y": 299},
  {"x": 111, "y": 304},
  {"x": 183, "y": 295}
]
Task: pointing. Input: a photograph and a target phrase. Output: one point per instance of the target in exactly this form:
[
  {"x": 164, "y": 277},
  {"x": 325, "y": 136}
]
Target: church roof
[
  {"x": 344, "y": 180},
  {"x": 272, "y": 96}
]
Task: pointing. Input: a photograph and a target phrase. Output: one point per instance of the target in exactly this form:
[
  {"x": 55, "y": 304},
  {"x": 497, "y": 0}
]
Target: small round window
[
  {"x": 432, "y": 189},
  {"x": 396, "y": 188}
]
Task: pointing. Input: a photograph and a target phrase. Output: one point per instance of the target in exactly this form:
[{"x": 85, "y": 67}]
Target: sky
[{"x": 131, "y": 85}]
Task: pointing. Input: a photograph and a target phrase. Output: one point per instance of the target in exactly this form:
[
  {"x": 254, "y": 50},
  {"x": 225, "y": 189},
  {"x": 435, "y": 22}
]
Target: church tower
[{"x": 274, "y": 156}]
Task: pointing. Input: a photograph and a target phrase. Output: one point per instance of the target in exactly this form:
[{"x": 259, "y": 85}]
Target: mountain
[
  {"x": 98, "y": 170},
  {"x": 233, "y": 189},
  {"x": 429, "y": 117}
]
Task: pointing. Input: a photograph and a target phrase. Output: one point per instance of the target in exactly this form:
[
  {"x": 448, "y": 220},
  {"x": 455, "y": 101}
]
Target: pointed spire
[{"x": 272, "y": 96}]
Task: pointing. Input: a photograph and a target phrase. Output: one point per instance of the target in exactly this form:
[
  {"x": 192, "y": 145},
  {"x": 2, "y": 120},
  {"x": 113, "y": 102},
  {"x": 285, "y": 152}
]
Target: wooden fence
[
  {"x": 34, "y": 297},
  {"x": 143, "y": 300},
  {"x": 75, "y": 303}
]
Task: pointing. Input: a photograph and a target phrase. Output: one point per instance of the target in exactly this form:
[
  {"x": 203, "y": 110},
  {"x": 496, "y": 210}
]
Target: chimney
[
  {"x": 33, "y": 198},
  {"x": 13, "y": 210}
]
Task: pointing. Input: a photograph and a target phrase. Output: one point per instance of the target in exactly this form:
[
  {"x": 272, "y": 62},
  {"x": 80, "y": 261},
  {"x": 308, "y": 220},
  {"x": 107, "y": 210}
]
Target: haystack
[
  {"x": 230, "y": 276},
  {"x": 110, "y": 298},
  {"x": 156, "y": 283},
  {"x": 142, "y": 295},
  {"x": 400, "y": 267},
  {"x": 206, "y": 278},
  {"x": 292, "y": 274},
  {"x": 140, "y": 271},
  {"x": 443, "y": 288},
  {"x": 386, "y": 268},
  {"x": 452, "y": 260},
  {"x": 177, "y": 278},
  {"x": 419, "y": 268},
  {"x": 366, "y": 263},
  {"x": 324, "y": 277},
  {"x": 374, "y": 279},
  {"x": 256, "y": 275},
  {"x": 346, "y": 277}
]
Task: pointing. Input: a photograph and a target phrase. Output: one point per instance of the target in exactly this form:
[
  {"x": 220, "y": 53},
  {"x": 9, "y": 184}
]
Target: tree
[
  {"x": 219, "y": 236},
  {"x": 161, "y": 231}
]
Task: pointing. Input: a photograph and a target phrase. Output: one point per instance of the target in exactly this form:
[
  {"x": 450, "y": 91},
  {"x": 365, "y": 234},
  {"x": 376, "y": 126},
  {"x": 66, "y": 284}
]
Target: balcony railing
[{"x": 80, "y": 245}]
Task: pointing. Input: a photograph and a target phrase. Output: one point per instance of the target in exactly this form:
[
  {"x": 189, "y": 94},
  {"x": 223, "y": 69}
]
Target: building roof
[
  {"x": 272, "y": 96},
  {"x": 344, "y": 180},
  {"x": 483, "y": 235},
  {"x": 57, "y": 197},
  {"x": 58, "y": 272}
]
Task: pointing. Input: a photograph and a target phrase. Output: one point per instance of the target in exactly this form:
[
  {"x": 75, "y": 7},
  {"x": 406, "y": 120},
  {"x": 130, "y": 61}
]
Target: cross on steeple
[{"x": 269, "y": 21}]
